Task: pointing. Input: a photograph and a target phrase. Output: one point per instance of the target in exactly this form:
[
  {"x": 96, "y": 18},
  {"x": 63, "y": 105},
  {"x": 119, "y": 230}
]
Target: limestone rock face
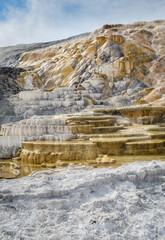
[{"x": 158, "y": 94}]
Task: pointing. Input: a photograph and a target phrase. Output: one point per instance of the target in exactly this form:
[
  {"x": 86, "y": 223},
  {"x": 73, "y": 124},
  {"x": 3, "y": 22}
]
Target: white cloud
[{"x": 48, "y": 20}]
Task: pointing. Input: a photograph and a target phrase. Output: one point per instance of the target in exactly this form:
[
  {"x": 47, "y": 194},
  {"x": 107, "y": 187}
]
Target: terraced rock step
[
  {"x": 85, "y": 119},
  {"x": 115, "y": 146},
  {"x": 109, "y": 135},
  {"x": 90, "y": 117},
  {"x": 94, "y": 137},
  {"x": 119, "y": 139},
  {"x": 52, "y": 151},
  {"x": 89, "y": 129},
  {"x": 96, "y": 123},
  {"x": 158, "y": 135},
  {"x": 99, "y": 130},
  {"x": 155, "y": 146},
  {"x": 158, "y": 129},
  {"x": 39, "y": 152},
  {"x": 138, "y": 114},
  {"x": 102, "y": 123}
]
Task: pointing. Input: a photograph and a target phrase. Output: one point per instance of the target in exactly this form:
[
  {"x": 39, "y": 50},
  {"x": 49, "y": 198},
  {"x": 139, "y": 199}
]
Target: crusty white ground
[{"x": 127, "y": 203}]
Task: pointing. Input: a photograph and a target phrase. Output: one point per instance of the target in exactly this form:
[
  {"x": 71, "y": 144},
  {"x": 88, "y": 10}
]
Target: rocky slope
[
  {"x": 87, "y": 99},
  {"x": 116, "y": 65},
  {"x": 124, "y": 203}
]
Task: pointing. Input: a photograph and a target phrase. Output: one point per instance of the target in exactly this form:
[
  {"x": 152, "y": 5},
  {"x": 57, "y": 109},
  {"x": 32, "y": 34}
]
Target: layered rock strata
[
  {"x": 35, "y": 128},
  {"x": 97, "y": 127},
  {"x": 95, "y": 148},
  {"x": 61, "y": 100},
  {"x": 144, "y": 114}
]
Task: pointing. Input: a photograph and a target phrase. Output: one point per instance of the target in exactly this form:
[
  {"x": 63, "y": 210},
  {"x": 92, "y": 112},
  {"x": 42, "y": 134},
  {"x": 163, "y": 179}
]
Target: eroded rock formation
[
  {"x": 113, "y": 61},
  {"x": 111, "y": 69},
  {"x": 8, "y": 81}
]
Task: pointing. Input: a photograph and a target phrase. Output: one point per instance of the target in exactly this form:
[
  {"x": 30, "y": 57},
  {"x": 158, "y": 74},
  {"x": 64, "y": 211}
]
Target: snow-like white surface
[
  {"x": 127, "y": 203},
  {"x": 9, "y": 145}
]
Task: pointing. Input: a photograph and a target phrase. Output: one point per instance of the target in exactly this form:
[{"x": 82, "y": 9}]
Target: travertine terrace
[
  {"x": 85, "y": 98},
  {"x": 75, "y": 203},
  {"x": 83, "y": 105}
]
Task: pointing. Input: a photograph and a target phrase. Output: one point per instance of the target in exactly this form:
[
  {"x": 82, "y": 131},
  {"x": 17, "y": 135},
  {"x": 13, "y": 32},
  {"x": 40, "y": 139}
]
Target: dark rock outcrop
[{"x": 8, "y": 83}]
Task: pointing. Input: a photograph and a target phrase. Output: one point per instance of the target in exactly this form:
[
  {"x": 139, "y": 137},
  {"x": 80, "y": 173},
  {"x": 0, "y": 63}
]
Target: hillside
[
  {"x": 116, "y": 65},
  {"x": 84, "y": 105},
  {"x": 115, "y": 60}
]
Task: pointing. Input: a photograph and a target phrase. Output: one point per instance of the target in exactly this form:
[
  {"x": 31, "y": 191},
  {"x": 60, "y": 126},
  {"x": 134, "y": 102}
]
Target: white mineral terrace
[
  {"x": 35, "y": 128},
  {"x": 73, "y": 203},
  {"x": 9, "y": 145}
]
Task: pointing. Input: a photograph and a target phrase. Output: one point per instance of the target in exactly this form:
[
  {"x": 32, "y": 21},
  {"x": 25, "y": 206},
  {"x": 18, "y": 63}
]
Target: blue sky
[
  {"x": 28, "y": 21},
  {"x": 4, "y": 5}
]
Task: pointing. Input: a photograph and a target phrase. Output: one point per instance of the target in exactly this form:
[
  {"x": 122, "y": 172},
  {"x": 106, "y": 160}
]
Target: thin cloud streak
[{"x": 48, "y": 20}]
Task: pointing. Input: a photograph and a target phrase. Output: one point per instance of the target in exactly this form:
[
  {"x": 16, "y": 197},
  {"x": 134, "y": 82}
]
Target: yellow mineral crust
[{"x": 98, "y": 138}]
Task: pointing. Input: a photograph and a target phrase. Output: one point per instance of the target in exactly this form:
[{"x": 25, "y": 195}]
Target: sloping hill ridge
[{"x": 9, "y": 55}]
